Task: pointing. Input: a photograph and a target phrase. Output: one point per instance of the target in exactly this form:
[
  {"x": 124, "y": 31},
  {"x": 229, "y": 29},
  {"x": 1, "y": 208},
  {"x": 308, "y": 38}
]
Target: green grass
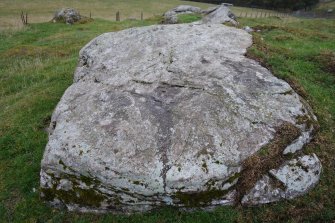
[
  {"x": 187, "y": 18},
  {"x": 43, "y": 10},
  {"x": 37, "y": 65},
  {"x": 291, "y": 48},
  {"x": 324, "y": 6}
]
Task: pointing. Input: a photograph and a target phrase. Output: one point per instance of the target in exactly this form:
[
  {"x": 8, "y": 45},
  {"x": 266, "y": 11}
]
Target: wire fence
[{"x": 260, "y": 14}]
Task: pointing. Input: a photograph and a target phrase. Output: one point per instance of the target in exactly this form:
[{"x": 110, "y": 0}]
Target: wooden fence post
[
  {"x": 24, "y": 18},
  {"x": 141, "y": 15},
  {"x": 117, "y": 16}
]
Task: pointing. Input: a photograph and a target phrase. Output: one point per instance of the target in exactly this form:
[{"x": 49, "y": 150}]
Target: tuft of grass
[
  {"x": 189, "y": 17},
  {"x": 326, "y": 60}
]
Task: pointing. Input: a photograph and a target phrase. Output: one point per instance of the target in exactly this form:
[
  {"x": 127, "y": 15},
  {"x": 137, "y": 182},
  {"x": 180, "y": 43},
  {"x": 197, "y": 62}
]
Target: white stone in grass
[{"x": 297, "y": 177}]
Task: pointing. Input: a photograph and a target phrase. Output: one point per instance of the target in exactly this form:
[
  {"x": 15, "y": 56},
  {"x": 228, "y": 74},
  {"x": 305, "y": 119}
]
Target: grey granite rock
[
  {"x": 220, "y": 15},
  {"x": 248, "y": 29},
  {"x": 165, "y": 115},
  {"x": 297, "y": 176},
  {"x": 67, "y": 15}
]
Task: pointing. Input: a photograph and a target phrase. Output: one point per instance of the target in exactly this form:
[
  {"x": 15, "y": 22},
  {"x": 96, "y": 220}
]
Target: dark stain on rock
[
  {"x": 204, "y": 60},
  {"x": 157, "y": 107}
]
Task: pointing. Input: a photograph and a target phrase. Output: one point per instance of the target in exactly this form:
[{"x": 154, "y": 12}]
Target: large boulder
[
  {"x": 176, "y": 115},
  {"x": 67, "y": 15}
]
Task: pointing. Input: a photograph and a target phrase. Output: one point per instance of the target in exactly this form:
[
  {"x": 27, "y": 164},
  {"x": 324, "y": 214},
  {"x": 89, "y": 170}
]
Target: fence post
[
  {"x": 90, "y": 15},
  {"x": 117, "y": 16},
  {"x": 24, "y": 18},
  {"x": 141, "y": 15},
  {"x": 246, "y": 14}
]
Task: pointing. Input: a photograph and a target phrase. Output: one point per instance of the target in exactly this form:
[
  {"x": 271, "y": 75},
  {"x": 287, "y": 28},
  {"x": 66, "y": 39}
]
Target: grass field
[
  {"x": 326, "y": 5},
  {"x": 37, "y": 64},
  {"x": 43, "y": 10}
]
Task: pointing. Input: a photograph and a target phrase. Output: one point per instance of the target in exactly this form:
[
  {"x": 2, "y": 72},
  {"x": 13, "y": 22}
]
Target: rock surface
[
  {"x": 67, "y": 15},
  {"x": 296, "y": 176},
  {"x": 220, "y": 15},
  {"x": 248, "y": 29},
  {"x": 165, "y": 115}
]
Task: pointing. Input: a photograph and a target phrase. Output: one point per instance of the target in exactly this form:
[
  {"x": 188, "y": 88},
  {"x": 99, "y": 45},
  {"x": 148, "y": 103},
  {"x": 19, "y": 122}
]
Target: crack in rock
[{"x": 166, "y": 115}]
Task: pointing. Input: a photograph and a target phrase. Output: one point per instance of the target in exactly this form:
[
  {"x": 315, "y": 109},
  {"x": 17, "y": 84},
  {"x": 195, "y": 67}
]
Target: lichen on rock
[{"x": 168, "y": 116}]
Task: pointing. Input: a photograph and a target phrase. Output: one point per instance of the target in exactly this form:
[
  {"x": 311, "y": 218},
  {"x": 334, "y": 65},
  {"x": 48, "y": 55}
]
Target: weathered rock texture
[
  {"x": 167, "y": 115},
  {"x": 295, "y": 175},
  {"x": 67, "y": 15},
  {"x": 220, "y": 15}
]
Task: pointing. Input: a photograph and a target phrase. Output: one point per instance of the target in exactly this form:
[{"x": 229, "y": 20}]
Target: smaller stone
[
  {"x": 299, "y": 143},
  {"x": 67, "y": 15},
  {"x": 248, "y": 29},
  {"x": 296, "y": 178},
  {"x": 220, "y": 15},
  {"x": 299, "y": 175},
  {"x": 227, "y": 4},
  {"x": 187, "y": 9},
  {"x": 263, "y": 192},
  {"x": 170, "y": 18}
]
